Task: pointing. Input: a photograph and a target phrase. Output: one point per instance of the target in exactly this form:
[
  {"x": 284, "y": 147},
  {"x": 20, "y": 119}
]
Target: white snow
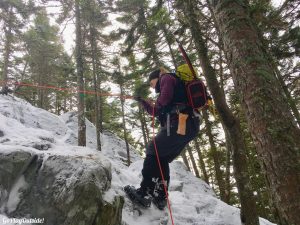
[
  {"x": 14, "y": 195},
  {"x": 28, "y": 128}
]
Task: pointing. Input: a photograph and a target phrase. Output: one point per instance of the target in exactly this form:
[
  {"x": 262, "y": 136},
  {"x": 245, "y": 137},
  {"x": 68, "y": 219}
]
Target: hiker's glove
[{"x": 138, "y": 98}]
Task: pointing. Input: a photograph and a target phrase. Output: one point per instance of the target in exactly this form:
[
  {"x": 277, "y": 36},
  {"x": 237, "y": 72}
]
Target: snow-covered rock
[
  {"x": 38, "y": 153},
  {"x": 61, "y": 183},
  {"x": 62, "y": 187}
]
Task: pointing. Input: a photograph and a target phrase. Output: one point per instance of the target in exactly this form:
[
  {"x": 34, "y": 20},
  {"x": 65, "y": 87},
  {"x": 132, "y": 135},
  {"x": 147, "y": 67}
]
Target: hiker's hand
[{"x": 138, "y": 98}]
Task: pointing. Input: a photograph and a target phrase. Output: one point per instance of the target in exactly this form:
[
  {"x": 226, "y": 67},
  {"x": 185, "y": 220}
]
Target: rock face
[{"x": 59, "y": 187}]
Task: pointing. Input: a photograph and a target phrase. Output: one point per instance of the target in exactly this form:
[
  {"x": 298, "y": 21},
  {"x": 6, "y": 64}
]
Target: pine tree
[
  {"x": 283, "y": 41},
  {"x": 13, "y": 15},
  {"x": 272, "y": 126},
  {"x": 141, "y": 33},
  {"x": 95, "y": 17},
  {"x": 80, "y": 79},
  {"x": 140, "y": 89},
  {"x": 45, "y": 57}
]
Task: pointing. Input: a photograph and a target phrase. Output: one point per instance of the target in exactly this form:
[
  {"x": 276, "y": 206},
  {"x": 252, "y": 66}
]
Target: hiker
[{"x": 169, "y": 106}]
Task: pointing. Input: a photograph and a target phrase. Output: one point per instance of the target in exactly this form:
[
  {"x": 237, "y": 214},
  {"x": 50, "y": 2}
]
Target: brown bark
[
  {"x": 80, "y": 81},
  {"x": 271, "y": 124},
  {"x": 228, "y": 165}
]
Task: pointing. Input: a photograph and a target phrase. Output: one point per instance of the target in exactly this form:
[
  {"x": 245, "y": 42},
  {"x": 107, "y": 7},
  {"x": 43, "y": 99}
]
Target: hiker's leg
[
  {"x": 171, "y": 146},
  {"x": 151, "y": 172}
]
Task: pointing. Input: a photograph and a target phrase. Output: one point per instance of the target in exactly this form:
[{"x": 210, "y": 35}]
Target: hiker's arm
[
  {"x": 167, "y": 86},
  {"x": 148, "y": 106}
]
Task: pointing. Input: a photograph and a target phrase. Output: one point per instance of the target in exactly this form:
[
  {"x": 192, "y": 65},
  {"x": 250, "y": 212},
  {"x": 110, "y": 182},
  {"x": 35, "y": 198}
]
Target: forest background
[{"x": 58, "y": 54}]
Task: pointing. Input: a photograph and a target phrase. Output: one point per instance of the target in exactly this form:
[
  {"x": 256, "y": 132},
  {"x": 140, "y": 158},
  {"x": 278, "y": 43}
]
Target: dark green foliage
[
  {"x": 119, "y": 60},
  {"x": 48, "y": 64}
]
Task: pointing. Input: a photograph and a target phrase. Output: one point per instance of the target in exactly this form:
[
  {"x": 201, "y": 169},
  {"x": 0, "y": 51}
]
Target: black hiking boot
[
  {"x": 139, "y": 196},
  {"x": 159, "y": 197},
  {"x": 160, "y": 201}
]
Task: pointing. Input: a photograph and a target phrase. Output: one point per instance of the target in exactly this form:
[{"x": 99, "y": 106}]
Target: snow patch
[
  {"x": 23, "y": 126},
  {"x": 15, "y": 194}
]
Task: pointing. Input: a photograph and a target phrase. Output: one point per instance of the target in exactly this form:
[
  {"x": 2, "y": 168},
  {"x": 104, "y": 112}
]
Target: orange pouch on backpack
[{"x": 182, "y": 123}]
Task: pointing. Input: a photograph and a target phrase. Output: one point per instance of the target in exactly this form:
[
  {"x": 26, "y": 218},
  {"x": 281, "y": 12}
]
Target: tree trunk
[
  {"x": 228, "y": 166},
  {"x": 71, "y": 102},
  {"x": 146, "y": 127},
  {"x": 94, "y": 50},
  {"x": 42, "y": 74},
  {"x": 201, "y": 162},
  {"x": 80, "y": 81},
  {"x": 249, "y": 214},
  {"x": 100, "y": 98},
  {"x": 7, "y": 47},
  {"x": 40, "y": 91},
  {"x": 56, "y": 104},
  {"x": 271, "y": 124},
  {"x": 195, "y": 168},
  {"x": 124, "y": 126},
  {"x": 143, "y": 125},
  {"x": 185, "y": 160},
  {"x": 215, "y": 156}
]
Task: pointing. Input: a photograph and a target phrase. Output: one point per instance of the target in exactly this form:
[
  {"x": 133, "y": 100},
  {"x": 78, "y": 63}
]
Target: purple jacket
[{"x": 167, "y": 86}]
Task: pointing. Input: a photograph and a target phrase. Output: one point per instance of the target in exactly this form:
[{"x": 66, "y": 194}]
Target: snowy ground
[{"x": 192, "y": 201}]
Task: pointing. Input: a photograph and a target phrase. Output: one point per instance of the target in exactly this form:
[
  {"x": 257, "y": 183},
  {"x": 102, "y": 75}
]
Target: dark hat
[{"x": 154, "y": 74}]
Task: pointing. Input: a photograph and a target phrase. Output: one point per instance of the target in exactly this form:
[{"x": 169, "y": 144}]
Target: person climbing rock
[{"x": 179, "y": 125}]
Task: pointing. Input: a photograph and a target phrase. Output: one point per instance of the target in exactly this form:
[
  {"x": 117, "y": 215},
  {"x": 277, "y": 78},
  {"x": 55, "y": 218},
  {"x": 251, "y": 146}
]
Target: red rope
[
  {"x": 159, "y": 165},
  {"x": 70, "y": 90}
]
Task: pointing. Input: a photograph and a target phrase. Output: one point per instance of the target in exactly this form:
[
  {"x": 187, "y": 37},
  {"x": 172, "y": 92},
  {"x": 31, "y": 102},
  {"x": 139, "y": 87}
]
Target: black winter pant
[{"x": 168, "y": 147}]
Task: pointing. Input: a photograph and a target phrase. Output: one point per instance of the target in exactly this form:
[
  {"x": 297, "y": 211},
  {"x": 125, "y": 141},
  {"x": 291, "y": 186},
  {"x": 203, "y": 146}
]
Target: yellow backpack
[
  {"x": 184, "y": 72},
  {"x": 195, "y": 88}
]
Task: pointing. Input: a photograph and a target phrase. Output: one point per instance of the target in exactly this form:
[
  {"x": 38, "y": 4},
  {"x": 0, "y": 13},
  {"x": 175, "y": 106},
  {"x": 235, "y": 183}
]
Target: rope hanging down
[{"x": 159, "y": 165}]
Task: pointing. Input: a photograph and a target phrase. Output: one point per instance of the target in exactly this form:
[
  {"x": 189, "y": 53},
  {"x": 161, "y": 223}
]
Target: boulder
[{"x": 59, "y": 188}]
